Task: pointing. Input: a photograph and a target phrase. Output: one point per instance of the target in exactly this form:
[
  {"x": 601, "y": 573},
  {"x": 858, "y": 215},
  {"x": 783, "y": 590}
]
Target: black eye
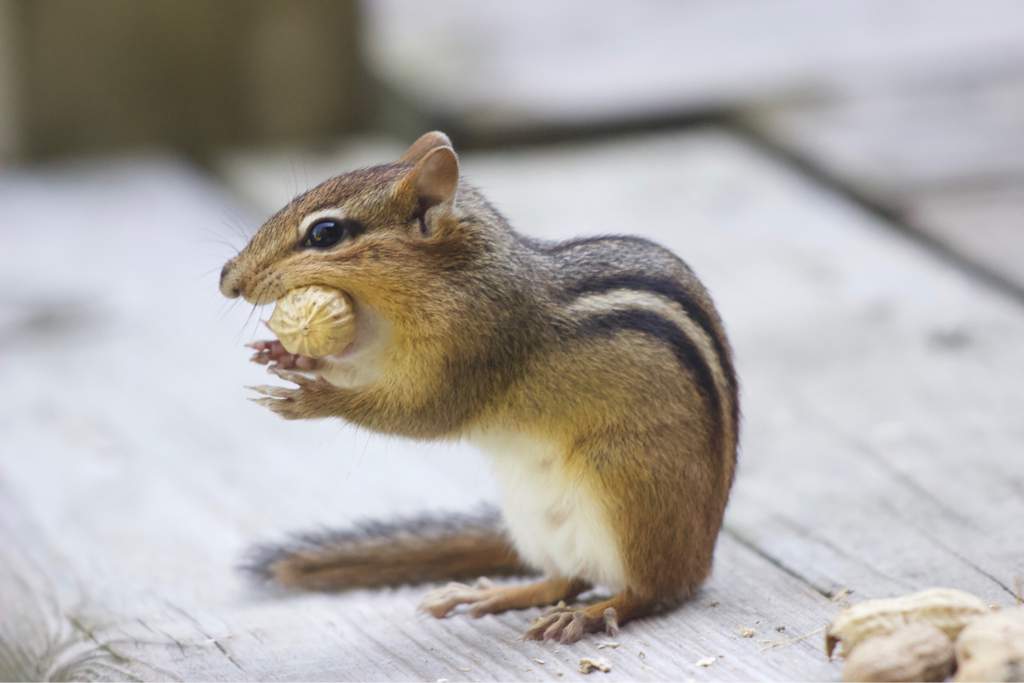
[{"x": 327, "y": 232}]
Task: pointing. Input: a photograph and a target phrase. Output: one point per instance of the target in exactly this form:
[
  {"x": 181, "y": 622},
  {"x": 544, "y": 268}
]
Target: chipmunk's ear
[
  {"x": 434, "y": 178},
  {"x": 424, "y": 144}
]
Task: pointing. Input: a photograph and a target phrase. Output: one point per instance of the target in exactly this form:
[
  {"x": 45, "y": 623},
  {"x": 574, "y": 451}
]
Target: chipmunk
[{"x": 595, "y": 372}]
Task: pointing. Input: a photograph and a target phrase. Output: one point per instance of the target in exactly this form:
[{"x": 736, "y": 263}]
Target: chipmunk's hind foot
[
  {"x": 483, "y": 597},
  {"x": 569, "y": 624}
]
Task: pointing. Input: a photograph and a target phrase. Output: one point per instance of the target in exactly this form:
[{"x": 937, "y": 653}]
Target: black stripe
[
  {"x": 670, "y": 289},
  {"x": 685, "y": 350}
]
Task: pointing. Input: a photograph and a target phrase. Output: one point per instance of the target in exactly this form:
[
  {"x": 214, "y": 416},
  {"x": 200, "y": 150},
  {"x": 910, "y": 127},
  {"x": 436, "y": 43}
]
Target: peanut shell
[
  {"x": 314, "y": 321},
  {"x": 947, "y": 609},
  {"x": 991, "y": 648},
  {"x": 917, "y": 652}
]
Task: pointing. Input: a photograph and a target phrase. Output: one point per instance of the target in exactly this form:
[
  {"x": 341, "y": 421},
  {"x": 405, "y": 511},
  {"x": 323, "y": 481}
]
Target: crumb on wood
[
  {"x": 841, "y": 594},
  {"x": 780, "y": 629},
  {"x": 641, "y": 654},
  {"x": 608, "y": 644},
  {"x": 539, "y": 661},
  {"x": 706, "y": 662},
  {"x": 747, "y": 632},
  {"x": 590, "y": 664}
]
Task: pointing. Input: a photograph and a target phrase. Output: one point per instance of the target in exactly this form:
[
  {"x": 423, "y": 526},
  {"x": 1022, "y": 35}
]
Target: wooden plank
[
  {"x": 377, "y": 636},
  {"x": 892, "y": 142},
  {"x": 31, "y": 620},
  {"x": 946, "y": 155},
  {"x": 488, "y": 70},
  {"x": 985, "y": 224}
]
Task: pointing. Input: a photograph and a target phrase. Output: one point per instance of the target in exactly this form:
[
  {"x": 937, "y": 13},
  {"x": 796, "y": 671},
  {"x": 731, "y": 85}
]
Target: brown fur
[
  {"x": 485, "y": 598},
  {"x": 373, "y": 554},
  {"x": 485, "y": 335}
]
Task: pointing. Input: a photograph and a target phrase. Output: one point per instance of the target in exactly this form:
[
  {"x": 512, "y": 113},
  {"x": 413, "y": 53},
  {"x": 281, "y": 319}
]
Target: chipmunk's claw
[
  {"x": 568, "y": 624},
  {"x": 272, "y": 352},
  {"x": 270, "y": 391},
  {"x": 296, "y": 378},
  {"x": 310, "y": 398}
]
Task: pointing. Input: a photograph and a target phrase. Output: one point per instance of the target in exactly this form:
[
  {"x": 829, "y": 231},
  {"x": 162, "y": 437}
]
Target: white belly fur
[{"x": 556, "y": 524}]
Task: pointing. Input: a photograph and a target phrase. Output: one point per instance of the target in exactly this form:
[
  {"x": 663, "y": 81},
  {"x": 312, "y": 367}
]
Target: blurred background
[
  {"x": 914, "y": 106},
  {"x": 846, "y": 176}
]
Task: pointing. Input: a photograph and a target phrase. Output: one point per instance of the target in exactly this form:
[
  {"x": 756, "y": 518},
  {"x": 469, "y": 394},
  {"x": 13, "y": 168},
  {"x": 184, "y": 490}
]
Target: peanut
[
  {"x": 917, "y": 652},
  {"x": 947, "y": 609},
  {"x": 314, "y": 321},
  {"x": 991, "y": 648}
]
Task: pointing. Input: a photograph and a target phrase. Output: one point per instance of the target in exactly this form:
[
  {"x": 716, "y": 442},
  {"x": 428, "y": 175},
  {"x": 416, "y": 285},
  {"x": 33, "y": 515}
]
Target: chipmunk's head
[{"x": 382, "y": 234}]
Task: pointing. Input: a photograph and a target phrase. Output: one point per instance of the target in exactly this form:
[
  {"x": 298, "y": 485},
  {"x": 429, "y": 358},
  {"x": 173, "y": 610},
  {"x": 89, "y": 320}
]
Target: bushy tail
[{"x": 371, "y": 554}]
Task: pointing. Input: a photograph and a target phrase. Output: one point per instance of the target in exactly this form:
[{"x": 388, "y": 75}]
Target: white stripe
[
  {"x": 625, "y": 299},
  {"x": 334, "y": 212}
]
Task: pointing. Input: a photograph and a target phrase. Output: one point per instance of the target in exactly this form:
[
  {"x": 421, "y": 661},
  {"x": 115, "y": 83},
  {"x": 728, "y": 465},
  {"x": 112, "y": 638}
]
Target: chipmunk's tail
[{"x": 371, "y": 554}]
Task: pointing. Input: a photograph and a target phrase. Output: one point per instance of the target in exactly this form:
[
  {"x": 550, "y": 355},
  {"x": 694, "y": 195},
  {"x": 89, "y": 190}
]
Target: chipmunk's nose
[{"x": 228, "y": 284}]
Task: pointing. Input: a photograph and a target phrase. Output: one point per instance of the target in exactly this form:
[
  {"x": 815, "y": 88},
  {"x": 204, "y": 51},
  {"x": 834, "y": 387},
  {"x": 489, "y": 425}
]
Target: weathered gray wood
[
  {"x": 373, "y": 636},
  {"x": 947, "y": 154},
  {"x": 492, "y": 69},
  {"x": 986, "y": 223},
  {"x": 140, "y": 467},
  {"x": 31, "y": 627},
  {"x": 960, "y": 128},
  {"x": 879, "y": 449}
]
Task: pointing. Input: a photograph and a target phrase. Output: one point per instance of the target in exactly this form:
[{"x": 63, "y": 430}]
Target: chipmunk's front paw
[
  {"x": 308, "y": 400},
  {"x": 272, "y": 352}
]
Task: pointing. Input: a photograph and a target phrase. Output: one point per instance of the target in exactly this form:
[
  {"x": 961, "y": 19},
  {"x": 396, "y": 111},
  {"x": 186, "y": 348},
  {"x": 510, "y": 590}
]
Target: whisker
[
  {"x": 222, "y": 242},
  {"x": 238, "y": 224},
  {"x": 207, "y": 273},
  {"x": 226, "y": 308},
  {"x": 243, "y": 332},
  {"x": 248, "y": 318}
]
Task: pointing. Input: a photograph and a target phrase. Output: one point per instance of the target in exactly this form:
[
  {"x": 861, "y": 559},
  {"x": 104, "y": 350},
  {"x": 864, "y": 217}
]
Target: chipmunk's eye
[{"x": 327, "y": 232}]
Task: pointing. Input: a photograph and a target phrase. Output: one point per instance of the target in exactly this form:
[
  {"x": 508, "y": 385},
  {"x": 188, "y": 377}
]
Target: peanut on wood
[{"x": 947, "y": 609}]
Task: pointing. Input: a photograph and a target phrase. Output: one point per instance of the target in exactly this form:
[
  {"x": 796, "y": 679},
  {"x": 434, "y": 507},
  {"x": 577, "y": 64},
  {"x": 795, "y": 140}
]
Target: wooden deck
[
  {"x": 868, "y": 270},
  {"x": 881, "y": 445}
]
